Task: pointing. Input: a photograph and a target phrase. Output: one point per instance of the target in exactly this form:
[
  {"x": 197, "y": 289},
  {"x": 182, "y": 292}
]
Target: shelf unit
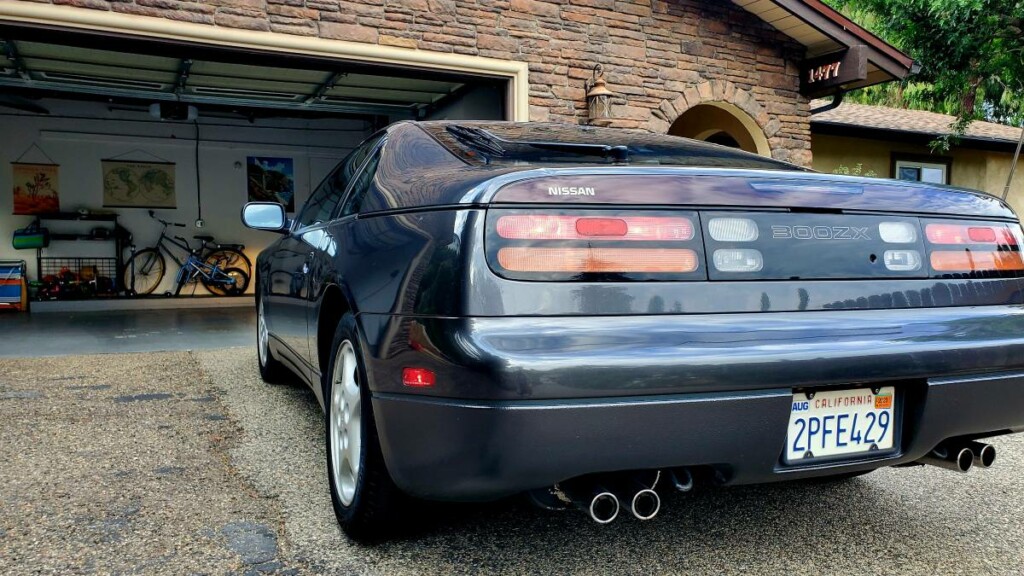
[{"x": 111, "y": 266}]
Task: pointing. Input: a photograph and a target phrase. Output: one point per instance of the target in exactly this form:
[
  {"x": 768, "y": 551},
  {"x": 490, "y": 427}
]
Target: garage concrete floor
[
  {"x": 185, "y": 462},
  {"x": 59, "y": 333}
]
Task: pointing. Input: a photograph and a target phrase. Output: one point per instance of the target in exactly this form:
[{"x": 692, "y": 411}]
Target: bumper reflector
[
  {"x": 968, "y": 261},
  {"x": 418, "y": 377},
  {"x": 735, "y": 260},
  {"x": 529, "y": 259}
]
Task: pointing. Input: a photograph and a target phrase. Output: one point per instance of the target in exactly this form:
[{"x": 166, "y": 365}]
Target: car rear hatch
[{"x": 755, "y": 229}]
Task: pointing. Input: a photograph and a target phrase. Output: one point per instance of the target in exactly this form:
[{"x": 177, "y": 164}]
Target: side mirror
[{"x": 264, "y": 216}]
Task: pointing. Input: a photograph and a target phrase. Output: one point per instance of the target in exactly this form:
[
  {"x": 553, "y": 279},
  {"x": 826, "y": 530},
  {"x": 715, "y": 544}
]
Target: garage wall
[{"x": 78, "y": 135}]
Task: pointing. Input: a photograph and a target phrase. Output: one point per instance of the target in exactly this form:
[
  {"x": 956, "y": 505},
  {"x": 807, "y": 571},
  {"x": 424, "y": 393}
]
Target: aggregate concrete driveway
[{"x": 184, "y": 462}]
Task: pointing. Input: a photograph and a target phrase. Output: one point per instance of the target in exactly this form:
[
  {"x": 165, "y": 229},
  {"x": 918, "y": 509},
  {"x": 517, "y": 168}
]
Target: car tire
[
  {"x": 272, "y": 371},
  {"x": 366, "y": 501}
]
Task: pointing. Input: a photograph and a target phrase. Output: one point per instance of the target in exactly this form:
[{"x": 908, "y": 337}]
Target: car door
[
  {"x": 287, "y": 285},
  {"x": 324, "y": 260},
  {"x": 290, "y": 270}
]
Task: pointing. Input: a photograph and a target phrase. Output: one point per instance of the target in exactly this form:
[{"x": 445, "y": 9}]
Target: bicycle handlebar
[{"x": 164, "y": 222}]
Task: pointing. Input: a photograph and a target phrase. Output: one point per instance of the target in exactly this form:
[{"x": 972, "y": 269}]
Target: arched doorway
[{"x": 721, "y": 123}]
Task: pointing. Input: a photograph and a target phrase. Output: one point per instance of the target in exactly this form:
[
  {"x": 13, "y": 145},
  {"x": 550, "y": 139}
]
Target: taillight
[
  {"x": 968, "y": 261},
  {"x": 594, "y": 245},
  {"x": 597, "y": 260},
  {"x": 969, "y": 234},
  {"x": 974, "y": 249},
  {"x": 560, "y": 227}
]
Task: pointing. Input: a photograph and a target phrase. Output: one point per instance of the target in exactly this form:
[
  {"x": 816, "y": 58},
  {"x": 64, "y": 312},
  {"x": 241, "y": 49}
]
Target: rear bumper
[
  {"x": 473, "y": 450},
  {"x": 722, "y": 396}
]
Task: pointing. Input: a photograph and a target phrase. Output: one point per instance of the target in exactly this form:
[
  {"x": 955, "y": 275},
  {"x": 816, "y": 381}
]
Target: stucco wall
[
  {"x": 977, "y": 169},
  {"x": 661, "y": 57}
]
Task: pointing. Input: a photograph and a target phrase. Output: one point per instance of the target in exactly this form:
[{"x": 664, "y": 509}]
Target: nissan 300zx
[{"x": 596, "y": 316}]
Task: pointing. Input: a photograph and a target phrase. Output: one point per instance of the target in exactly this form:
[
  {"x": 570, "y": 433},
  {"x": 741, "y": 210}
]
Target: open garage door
[{"x": 101, "y": 129}]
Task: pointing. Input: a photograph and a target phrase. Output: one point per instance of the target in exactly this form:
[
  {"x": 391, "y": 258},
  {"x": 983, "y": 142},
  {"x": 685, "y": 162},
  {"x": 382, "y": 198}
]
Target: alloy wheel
[
  {"x": 262, "y": 336},
  {"x": 345, "y": 423}
]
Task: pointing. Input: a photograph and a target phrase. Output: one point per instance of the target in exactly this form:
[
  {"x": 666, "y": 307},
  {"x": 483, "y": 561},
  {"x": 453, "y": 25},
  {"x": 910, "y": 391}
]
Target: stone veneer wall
[{"x": 661, "y": 57}]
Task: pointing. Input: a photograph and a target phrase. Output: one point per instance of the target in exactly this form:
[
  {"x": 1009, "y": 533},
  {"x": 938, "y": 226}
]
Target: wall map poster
[
  {"x": 36, "y": 188},
  {"x": 128, "y": 184}
]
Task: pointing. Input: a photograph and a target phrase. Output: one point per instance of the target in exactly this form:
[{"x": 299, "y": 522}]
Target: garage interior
[{"x": 76, "y": 99}]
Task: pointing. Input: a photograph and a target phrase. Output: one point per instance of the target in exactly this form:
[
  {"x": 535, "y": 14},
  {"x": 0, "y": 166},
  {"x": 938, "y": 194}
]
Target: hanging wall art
[
  {"x": 36, "y": 188},
  {"x": 133, "y": 184}
]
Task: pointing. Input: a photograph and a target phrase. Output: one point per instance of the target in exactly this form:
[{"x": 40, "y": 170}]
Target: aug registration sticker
[{"x": 840, "y": 422}]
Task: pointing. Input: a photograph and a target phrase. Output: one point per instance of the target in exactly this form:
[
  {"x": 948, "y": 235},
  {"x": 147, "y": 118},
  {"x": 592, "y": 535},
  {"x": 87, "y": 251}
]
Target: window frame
[
  {"x": 898, "y": 160},
  {"x": 378, "y": 148},
  {"x": 373, "y": 142}
]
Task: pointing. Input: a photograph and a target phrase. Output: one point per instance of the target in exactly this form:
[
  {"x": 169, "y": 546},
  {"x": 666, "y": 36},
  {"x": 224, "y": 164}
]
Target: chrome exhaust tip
[
  {"x": 604, "y": 507},
  {"x": 681, "y": 479},
  {"x": 984, "y": 454},
  {"x": 956, "y": 458},
  {"x": 645, "y": 504}
]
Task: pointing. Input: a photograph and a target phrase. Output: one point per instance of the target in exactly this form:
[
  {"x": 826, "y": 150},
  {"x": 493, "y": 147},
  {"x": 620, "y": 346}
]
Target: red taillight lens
[
  {"x": 958, "y": 234},
  {"x": 971, "y": 261},
  {"x": 601, "y": 227},
  {"x": 560, "y": 227},
  {"x": 418, "y": 377},
  {"x": 597, "y": 260}
]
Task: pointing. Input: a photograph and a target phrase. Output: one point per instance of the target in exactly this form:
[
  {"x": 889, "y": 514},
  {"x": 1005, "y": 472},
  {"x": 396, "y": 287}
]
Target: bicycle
[{"x": 217, "y": 266}]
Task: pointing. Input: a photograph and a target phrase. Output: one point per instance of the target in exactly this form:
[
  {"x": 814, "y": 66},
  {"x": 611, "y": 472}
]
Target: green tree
[{"x": 971, "y": 54}]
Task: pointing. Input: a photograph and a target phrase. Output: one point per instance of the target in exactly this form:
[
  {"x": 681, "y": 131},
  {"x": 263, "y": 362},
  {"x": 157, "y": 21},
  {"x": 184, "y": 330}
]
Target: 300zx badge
[{"x": 820, "y": 233}]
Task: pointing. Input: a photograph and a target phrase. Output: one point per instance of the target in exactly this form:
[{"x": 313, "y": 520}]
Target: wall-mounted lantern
[{"x": 599, "y": 99}]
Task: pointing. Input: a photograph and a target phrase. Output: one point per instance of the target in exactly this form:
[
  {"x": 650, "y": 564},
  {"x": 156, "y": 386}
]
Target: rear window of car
[{"x": 525, "y": 144}]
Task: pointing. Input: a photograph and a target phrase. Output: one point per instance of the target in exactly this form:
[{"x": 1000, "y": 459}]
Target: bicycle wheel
[
  {"x": 149, "y": 270},
  {"x": 225, "y": 258},
  {"x": 221, "y": 286}
]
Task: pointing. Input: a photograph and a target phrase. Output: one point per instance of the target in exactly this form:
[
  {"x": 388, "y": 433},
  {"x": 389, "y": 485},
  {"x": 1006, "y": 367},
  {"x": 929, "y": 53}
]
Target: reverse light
[
  {"x": 597, "y": 259},
  {"x": 733, "y": 229},
  {"x": 972, "y": 261},
  {"x": 897, "y": 232},
  {"x": 418, "y": 377},
  {"x": 738, "y": 260},
  {"x": 902, "y": 260},
  {"x": 561, "y": 227}
]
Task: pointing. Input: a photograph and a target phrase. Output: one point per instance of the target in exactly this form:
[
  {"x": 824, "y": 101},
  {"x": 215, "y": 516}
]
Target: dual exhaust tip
[
  {"x": 604, "y": 507},
  {"x": 962, "y": 456},
  {"x": 642, "y": 501}
]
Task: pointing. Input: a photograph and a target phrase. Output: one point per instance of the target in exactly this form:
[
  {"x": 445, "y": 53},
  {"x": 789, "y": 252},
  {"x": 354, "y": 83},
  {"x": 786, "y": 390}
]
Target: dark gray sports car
[{"x": 595, "y": 316}]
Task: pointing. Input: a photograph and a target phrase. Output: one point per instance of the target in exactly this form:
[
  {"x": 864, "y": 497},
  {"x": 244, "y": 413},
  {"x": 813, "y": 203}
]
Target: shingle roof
[{"x": 903, "y": 120}]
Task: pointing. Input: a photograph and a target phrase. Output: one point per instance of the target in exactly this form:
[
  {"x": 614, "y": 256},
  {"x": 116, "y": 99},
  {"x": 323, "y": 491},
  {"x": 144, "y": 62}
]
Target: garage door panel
[
  {"x": 204, "y": 68},
  {"x": 413, "y": 84},
  {"x": 381, "y": 94},
  {"x": 251, "y": 84},
  {"x": 55, "y": 67},
  {"x": 93, "y": 56}
]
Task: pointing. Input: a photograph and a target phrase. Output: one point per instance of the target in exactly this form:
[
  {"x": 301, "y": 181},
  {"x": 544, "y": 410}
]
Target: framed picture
[
  {"x": 36, "y": 188},
  {"x": 271, "y": 180},
  {"x": 128, "y": 184}
]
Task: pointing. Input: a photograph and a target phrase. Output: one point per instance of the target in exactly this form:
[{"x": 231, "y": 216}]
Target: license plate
[{"x": 840, "y": 422}]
